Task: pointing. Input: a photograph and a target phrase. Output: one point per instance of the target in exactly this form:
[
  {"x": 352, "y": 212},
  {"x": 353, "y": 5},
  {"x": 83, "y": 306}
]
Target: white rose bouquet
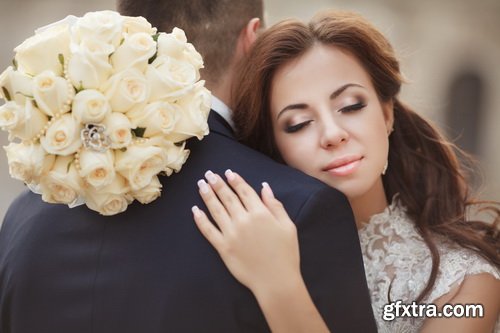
[{"x": 98, "y": 106}]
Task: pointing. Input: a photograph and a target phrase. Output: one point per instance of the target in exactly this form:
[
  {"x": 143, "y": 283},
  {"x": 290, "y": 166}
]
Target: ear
[
  {"x": 388, "y": 109},
  {"x": 249, "y": 34}
]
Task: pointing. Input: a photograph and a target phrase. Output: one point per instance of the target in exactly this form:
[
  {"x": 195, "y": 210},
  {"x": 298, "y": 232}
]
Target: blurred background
[{"x": 450, "y": 53}]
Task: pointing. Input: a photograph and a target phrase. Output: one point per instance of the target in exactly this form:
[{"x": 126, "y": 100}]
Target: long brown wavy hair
[{"x": 423, "y": 166}]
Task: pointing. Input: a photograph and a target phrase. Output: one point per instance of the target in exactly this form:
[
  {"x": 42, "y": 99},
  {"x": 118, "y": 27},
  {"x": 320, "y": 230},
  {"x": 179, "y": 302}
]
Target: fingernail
[
  {"x": 196, "y": 211},
  {"x": 266, "y": 186},
  {"x": 212, "y": 179},
  {"x": 230, "y": 174},
  {"x": 203, "y": 186}
]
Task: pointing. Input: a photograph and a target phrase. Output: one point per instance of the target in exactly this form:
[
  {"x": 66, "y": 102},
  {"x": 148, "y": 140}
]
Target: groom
[{"x": 149, "y": 269}]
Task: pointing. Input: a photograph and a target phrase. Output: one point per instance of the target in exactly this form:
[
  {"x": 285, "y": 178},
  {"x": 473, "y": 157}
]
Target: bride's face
[{"x": 329, "y": 122}]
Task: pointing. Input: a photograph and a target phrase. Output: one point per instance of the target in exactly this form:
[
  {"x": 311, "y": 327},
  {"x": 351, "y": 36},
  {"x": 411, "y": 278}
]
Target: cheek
[
  {"x": 376, "y": 143},
  {"x": 294, "y": 150},
  {"x": 372, "y": 129}
]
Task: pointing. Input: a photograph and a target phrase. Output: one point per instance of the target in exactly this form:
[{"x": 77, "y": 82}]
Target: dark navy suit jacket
[{"x": 150, "y": 270}]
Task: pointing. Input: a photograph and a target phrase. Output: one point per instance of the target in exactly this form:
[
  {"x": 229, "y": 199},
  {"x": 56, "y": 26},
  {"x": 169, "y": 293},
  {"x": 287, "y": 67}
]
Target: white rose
[
  {"x": 11, "y": 114},
  {"x": 127, "y": 89},
  {"x": 149, "y": 193},
  {"x": 176, "y": 154},
  {"x": 97, "y": 168},
  {"x": 27, "y": 161},
  {"x": 15, "y": 86},
  {"x": 156, "y": 118},
  {"x": 133, "y": 25},
  {"x": 62, "y": 136},
  {"x": 194, "y": 57},
  {"x": 195, "y": 109},
  {"x": 118, "y": 129},
  {"x": 89, "y": 65},
  {"x": 175, "y": 45},
  {"x": 111, "y": 199},
  {"x": 170, "y": 78},
  {"x": 29, "y": 123},
  {"x": 135, "y": 52},
  {"x": 172, "y": 44},
  {"x": 61, "y": 184},
  {"x": 105, "y": 26},
  {"x": 176, "y": 157},
  {"x": 68, "y": 21},
  {"x": 90, "y": 106},
  {"x": 140, "y": 163},
  {"x": 41, "y": 51},
  {"x": 51, "y": 92}
]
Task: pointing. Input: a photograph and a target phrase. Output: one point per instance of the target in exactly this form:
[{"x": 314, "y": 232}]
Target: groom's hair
[{"x": 212, "y": 26}]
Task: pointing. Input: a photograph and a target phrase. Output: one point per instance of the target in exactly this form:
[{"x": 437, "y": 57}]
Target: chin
[
  {"x": 351, "y": 189},
  {"x": 352, "y": 193}
]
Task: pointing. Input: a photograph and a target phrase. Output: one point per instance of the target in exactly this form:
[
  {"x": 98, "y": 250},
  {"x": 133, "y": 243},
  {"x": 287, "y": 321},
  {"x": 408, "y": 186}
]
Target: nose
[{"x": 332, "y": 134}]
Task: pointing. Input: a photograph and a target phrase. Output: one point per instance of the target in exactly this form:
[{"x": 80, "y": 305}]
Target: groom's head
[{"x": 219, "y": 29}]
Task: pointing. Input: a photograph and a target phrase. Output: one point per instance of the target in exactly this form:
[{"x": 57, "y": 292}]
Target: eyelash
[
  {"x": 347, "y": 109},
  {"x": 295, "y": 128},
  {"x": 353, "y": 107}
]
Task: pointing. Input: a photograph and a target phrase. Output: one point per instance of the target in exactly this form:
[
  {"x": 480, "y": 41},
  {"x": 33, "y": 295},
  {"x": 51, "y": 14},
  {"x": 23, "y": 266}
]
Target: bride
[{"x": 323, "y": 98}]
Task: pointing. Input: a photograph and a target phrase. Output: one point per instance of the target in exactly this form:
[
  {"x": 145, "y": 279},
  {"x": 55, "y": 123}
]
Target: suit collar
[
  {"x": 223, "y": 110},
  {"x": 219, "y": 125}
]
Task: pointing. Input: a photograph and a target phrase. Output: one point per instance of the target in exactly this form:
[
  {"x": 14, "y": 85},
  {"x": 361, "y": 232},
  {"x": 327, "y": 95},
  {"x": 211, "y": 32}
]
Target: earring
[{"x": 385, "y": 167}]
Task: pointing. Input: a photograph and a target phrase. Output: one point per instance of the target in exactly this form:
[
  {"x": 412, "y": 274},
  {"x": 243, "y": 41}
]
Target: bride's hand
[
  {"x": 255, "y": 237},
  {"x": 258, "y": 243}
]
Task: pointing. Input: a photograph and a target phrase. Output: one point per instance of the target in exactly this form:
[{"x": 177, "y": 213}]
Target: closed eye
[
  {"x": 298, "y": 127},
  {"x": 353, "y": 107}
]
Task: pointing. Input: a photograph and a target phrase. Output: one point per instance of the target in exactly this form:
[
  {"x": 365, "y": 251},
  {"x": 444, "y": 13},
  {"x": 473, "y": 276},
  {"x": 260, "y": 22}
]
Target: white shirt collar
[{"x": 223, "y": 110}]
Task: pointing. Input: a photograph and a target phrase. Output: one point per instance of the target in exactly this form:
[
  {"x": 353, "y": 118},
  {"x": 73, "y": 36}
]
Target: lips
[{"x": 344, "y": 166}]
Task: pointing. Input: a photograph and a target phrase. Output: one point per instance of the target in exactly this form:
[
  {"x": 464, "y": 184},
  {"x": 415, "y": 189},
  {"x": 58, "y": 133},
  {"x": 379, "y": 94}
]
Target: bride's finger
[
  {"x": 215, "y": 207},
  {"x": 207, "y": 229},
  {"x": 274, "y": 205},
  {"x": 226, "y": 195},
  {"x": 246, "y": 193}
]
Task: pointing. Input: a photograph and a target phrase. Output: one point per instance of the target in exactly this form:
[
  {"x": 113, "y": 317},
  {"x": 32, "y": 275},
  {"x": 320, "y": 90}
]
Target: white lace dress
[{"x": 394, "y": 252}]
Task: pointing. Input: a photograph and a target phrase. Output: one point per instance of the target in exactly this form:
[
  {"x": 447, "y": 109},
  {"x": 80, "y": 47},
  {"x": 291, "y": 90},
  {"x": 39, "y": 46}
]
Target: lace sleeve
[
  {"x": 456, "y": 264},
  {"x": 398, "y": 265}
]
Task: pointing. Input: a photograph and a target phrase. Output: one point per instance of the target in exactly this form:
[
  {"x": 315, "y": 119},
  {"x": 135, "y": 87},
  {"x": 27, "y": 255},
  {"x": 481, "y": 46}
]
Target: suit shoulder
[
  {"x": 219, "y": 153},
  {"x": 293, "y": 187},
  {"x": 23, "y": 202}
]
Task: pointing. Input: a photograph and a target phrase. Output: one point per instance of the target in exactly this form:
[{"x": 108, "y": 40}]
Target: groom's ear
[{"x": 249, "y": 34}]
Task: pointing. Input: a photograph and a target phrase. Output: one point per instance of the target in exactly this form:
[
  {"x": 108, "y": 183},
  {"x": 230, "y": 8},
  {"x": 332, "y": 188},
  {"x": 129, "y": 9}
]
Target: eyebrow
[{"x": 334, "y": 95}]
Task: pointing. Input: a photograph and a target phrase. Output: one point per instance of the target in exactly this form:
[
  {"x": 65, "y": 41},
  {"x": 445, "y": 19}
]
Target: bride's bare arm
[
  {"x": 258, "y": 243},
  {"x": 481, "y": 289}
]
